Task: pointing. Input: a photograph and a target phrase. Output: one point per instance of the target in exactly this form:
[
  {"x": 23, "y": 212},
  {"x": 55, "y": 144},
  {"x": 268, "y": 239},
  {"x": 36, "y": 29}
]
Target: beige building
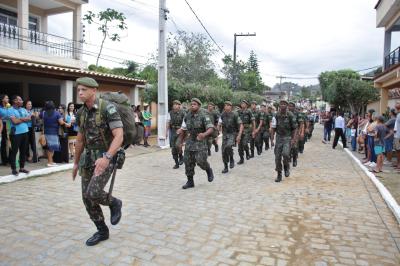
[
  {"x": 40, "y": 66},
  {"x": 388, "y": 18}
]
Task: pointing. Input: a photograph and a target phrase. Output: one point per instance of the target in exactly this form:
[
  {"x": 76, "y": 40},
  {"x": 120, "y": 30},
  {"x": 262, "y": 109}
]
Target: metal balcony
[
  {"x": 16, "y": 37},
  {"x": 392, "y": 59}
]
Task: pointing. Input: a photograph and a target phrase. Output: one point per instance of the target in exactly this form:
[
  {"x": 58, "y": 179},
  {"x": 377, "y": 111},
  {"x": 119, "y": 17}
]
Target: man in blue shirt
[{"x": 18, "y": 134}]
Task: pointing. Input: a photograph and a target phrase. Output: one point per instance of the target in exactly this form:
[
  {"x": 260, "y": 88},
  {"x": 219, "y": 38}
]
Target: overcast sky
[{"x": 294, "y": 38}]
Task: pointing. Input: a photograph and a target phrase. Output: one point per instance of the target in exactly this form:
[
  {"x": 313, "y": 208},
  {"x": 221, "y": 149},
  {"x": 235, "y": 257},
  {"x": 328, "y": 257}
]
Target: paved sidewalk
[{"x": 327, "y": 213}]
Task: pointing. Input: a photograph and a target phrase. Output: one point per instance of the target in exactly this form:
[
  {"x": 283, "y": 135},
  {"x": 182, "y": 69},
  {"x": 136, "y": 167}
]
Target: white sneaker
[
  {"x": 372, "y": 165},
  {"x": 386, "y": 162},
  {"x": 367, "y": 163}
]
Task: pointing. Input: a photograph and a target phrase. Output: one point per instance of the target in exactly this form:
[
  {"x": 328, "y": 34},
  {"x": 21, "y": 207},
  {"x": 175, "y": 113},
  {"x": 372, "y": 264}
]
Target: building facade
[
  {"x": 40, "y": 66},
  {"x": 388, "y": 18}
]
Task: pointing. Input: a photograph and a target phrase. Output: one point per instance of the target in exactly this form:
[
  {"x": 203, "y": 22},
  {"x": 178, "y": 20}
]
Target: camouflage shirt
[
  {"x": 258, "y": 116},
  {"x": 267, "y": 120},
  {"x": 110, "y": 119},
  {"x": 196, "y": 123},
  {"x": 214, "y": 116},
  {"x": 230, "y": 122},
  {"x": 176, "y": 119},
  {"x": 285, "y": 124},
  {"x": 247, "y": 117}
]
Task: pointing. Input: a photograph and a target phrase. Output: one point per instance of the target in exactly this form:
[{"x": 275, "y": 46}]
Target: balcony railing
[
  {"x": 17, "y": 37},
  {"x": 393, "y": 58}
]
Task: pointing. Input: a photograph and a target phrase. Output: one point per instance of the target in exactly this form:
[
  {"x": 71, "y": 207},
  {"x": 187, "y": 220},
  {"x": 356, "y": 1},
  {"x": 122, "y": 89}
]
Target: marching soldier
[
  {"x": 94, "y": 158},
  {"x": 174, "y": 123},
  {"x": 285, "y": 126},
  {"x": 256, "y": 138},
  {"x": 198, "y": 124},
  {"x": 300, "y": 131},
  {"x": 265, "y": 134},
  {"x": 214, "y": 117},
  {"x": 230, "y": 122},
  {"x": 248, "y": 124}
]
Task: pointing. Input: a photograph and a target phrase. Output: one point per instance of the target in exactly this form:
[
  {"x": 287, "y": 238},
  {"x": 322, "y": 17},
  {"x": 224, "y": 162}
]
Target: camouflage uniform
[
  {"x": 175, "y": 123},
  {"x": 212, "y": 139},
  {"x": 247, "y": 118},
  {"x": 230, "y": 124},
  {"x": 265, "y": 130},
  {"x": 285, "y": 125},
  {"x": 257, "y": 140},
  {"x": 294, "y": 152},
  {"x": 196, "y": 150},
  {"x": 93, "y": 193}
]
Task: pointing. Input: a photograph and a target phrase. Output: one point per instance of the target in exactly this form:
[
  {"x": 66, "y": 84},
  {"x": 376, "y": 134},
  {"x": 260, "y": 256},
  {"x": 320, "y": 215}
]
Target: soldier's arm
[
  {"x": 79, "y": 144},
  {"x": 209, "y": 126}
]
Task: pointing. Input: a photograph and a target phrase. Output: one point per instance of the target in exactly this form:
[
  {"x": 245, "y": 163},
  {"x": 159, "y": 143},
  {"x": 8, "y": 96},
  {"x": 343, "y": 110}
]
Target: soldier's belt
[{"x": 247, "y": 125}]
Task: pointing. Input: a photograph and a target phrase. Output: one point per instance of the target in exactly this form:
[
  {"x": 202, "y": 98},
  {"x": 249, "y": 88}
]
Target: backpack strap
[{"x": 98, "y": 118}]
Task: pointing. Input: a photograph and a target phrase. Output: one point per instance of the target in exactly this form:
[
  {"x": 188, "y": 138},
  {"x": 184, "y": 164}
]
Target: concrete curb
[
  {"x": 387, "y": 197},
  {"x": 38, "y": 172}
]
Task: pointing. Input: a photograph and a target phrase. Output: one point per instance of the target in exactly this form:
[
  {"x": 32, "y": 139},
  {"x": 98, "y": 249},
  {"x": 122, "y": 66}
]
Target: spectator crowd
[
  {"x": 375, "y": 136},
  {"x": 55, "y": 127}
]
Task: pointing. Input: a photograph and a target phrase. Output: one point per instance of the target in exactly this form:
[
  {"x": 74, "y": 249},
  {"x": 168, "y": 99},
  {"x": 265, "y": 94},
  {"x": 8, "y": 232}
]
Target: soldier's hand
[
  {"x": 179, "y": 131},
  {"x": 200, "y": 136},
  {"x": 238, "y": 139},
  {"x": 74, "y": 171},
  {"x": 272, "y": 144},
  {"x": 101, "y": 165}
]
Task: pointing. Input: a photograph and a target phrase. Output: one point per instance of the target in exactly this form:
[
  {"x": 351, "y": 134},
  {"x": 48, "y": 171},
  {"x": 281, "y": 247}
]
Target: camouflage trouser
[
  {"x": 301, "y": 145},
  {"x": 93, "y": 193},
  {"x": 265, "y": 138},
  {"x": 174, "y": 142},
  {"x": 228, "y": 141},
  {"x": 195, "y": 157},
  {"x": 282, "y": 150},
  {"x": 258, "y": 140},
  {"x": 244, "y": 142},
  {"x": 294, "y": 150}
]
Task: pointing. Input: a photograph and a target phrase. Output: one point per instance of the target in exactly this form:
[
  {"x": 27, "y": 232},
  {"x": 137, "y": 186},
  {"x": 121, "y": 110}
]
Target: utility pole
[
  {"x": 280, "y": 84},
  {"x": 234, "y": 80},
  {"x": 162, "y": 109}
]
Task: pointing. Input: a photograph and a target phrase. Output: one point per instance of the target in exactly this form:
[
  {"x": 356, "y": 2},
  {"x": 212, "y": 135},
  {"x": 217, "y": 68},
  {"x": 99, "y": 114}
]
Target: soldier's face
[
  {"x": 243, "y": 105},
  {"x": 264, "y": 109},
  {"x": 176, "y": 107},
  {"x": 228, "y": 108},
  {"x": 85, "y": 93},
  {"x": 195, "y": 106},
  {"x": 291, "y": 108},
  {"x": 283, "y": 107},
  {"x": 210, "y": 107}
]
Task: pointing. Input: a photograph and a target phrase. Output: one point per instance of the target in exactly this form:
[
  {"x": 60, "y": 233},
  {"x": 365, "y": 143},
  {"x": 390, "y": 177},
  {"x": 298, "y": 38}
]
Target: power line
[{"x": 201, "y": 23}]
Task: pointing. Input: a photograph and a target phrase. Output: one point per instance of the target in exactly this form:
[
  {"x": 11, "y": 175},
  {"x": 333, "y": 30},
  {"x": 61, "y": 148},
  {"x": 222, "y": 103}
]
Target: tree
[
  {"x": 107, "y": 20},
  {"x": 346, "y": 90}
]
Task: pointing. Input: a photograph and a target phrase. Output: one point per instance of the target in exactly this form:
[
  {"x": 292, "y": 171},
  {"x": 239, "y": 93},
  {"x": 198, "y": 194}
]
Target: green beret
[
  {"x": 283, "y": 101},
  {"x": 177, "y": 102},
  {"x": 263, "y": 104},
  {"x": 246, "y": 102},
  {"x": 196, "y": 100},
  {"x": 254, "y": 102},
  {"x": 228, "y": 103},
  {"x": 211, "y": 103},
  {"x": 292, "y": 103},
  {"x": 88, "y": 82}
]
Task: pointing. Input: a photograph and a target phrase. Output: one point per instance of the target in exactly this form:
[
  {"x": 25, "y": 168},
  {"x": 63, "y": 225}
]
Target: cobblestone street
[{"x": 326, "y": 213}]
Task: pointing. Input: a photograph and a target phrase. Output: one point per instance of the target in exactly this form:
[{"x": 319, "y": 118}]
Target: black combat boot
[
  {"x": 210, "y": 175},
  {"x": 259, "y": 151},
  {"x": 101, "y": 234},
  {"x": 279, "y": 177},
  {"x": 252, "y": 153},
  {"x": 231, "y": 162},
  {"x": 241, "y": 160},
  {"x": 209, "y": 152},
  {"x": 216, "y": 147},
  {"x": 176, "y": 166},
  {"x": 180, "y": 159},
  {"x": 287, "y": 171},
  {"x": 294, "y": 161},
  {"x": 115, "y": 208},
  {"x": 225, "y": 168},
  {"x": 247, "y": 155},
  {"x": 189, "y": 183}
]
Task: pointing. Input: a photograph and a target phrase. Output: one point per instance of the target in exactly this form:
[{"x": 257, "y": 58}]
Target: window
[
  {"x": 33, "y": 24},
  {"x": 9, "y": 17}
]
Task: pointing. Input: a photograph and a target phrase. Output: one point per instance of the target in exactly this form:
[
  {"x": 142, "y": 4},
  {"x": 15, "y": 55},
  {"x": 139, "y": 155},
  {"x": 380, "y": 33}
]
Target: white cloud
[{"x": 300, "y": 38}]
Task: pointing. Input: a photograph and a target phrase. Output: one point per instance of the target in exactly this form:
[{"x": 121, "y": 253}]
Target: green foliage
[
  {"x": 346, "y": 90},
  {"x": 107, "y": 20}
]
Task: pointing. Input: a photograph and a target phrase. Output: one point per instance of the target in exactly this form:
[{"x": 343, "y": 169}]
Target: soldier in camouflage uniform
[
  {"x": 302, "y": 130},
  {"x": 214, "y": 117},
  {"x": 285, "y": 126},
  {"x": 300, "y": 127},
  {"x": 248, "y": 123},
  {"x": 198, "y": 125},
  {"x": 94, "y": 157},
  {"x": 256, "y": 138},
  {"x": 232, "y": 129},
  {"x": 265, "y": 127},
  {"x": 174, "y": 123}
]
